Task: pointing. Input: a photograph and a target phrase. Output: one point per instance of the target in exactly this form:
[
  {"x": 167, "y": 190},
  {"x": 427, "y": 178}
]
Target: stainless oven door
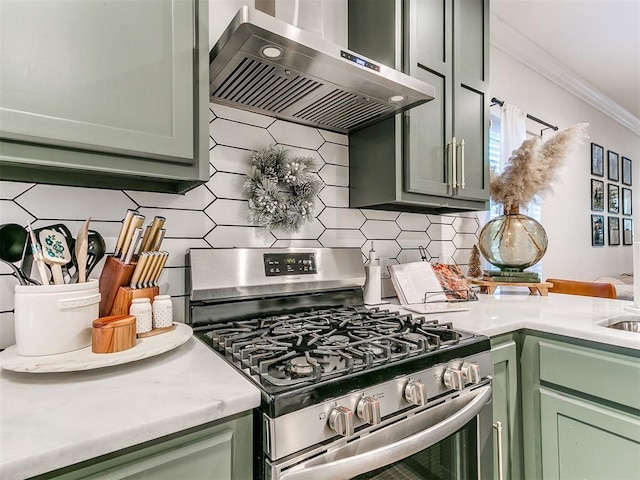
[{"x": 450, "y": 440}]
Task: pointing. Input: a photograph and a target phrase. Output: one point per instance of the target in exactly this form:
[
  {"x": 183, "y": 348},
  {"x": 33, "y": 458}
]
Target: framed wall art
[
  {"x": 614, "y": 231},
  {"x": 597, "y": 160},
  {"x": 626, "y": 201},
  {"x": 597, "y": 195},
  {"x": 613, "y": 194},
  {"x": 626, "y": 171},
  {"x": 597, "y": 230},
  {"x": 612, "y": 163},
  {"x": 627, "y": 231}
]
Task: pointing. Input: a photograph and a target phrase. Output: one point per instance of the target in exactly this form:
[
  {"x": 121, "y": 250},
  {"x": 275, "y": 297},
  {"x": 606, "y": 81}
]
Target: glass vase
[{"x": 513, "y": 241}]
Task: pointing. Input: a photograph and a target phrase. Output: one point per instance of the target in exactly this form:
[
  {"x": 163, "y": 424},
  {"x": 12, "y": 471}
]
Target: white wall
[{"x": 566, "y": 213}]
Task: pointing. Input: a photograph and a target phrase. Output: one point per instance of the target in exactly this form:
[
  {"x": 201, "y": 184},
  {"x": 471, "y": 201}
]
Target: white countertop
[
  {"x": 52, "y": 420},
  {"x": 510, "y": 309}
]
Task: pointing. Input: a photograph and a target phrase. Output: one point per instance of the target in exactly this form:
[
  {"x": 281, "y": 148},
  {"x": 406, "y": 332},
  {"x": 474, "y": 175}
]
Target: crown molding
[{"x": 510, "y": 41}]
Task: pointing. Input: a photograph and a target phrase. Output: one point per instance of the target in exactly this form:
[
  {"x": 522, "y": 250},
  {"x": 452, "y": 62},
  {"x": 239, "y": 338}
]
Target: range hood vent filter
[{"x": 312, "y": 82}]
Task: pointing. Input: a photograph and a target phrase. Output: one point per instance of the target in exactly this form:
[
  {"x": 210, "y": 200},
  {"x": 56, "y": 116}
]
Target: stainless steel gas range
[{"x": 348, "y": 392}]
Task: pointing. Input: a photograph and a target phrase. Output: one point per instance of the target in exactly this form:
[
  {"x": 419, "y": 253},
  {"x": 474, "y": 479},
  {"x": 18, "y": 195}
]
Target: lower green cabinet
[
  {"x": 221, "y": 451},
  {"x": 506, "y": 410},
  {"x": 583, "y": 439},
  {"x": 580, "y": 410}
]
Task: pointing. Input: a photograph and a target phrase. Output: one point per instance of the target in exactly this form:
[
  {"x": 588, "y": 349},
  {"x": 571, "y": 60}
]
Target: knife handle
[
  {"x": 142, "y": 261},
  {"x": 123, "y": 231},
  {"x": 133, "y": 245},
  {"x": 147, "y": 268},
  {"x": 158, "y": 223},
  {"x": 158, "y": 240},
  {"x": 163, "y": 261},
  {"x": 136, "y": 222}
]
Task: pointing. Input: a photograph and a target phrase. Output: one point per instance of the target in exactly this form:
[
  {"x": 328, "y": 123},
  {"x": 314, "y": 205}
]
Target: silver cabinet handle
[
  {"x": 379, "y": 457},
  {"x": 498, "y": 428},
  {"x": 462, "y": 163},
  {"x": 454, "y": 163}
]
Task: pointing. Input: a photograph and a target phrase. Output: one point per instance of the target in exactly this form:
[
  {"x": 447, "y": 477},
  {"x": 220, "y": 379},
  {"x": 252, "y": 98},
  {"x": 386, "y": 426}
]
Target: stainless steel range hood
[{"x": 267, "y": 66}]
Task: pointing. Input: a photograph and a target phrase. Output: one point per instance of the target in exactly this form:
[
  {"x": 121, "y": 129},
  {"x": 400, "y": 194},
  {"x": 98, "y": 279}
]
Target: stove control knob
[
  {"x": 341, "y": 421},
  {"x": 452, "y": 378},
  {"x": 470, "y": 372},
  {"x": 368, "y": 410},
  {"x": 415, "y": 392}
]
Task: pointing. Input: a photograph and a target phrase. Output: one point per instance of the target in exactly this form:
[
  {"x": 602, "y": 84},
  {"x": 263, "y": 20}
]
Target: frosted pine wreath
[{"x": 281, "y": 190}]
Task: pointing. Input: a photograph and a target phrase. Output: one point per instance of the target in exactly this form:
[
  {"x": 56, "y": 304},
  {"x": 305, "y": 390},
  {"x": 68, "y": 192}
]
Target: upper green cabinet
[
  {"x": 433, "y": 158},
  {"x": 109, "y": 94}
]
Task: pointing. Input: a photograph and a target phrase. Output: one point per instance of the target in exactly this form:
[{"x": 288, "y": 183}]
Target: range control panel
[{"x": 278, "y": 264}]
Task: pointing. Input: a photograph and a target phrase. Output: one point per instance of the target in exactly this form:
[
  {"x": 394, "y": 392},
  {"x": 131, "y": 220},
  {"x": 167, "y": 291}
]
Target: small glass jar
[
  {"x": 162, "y": 311},
  {"x": 141, "y": 309}
]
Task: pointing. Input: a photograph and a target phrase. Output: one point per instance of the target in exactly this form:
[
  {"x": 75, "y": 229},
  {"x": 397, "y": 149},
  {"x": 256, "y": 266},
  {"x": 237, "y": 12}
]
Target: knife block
[
  {"x": 125, "y": 296},
  {"x": 115, "y": 274}
]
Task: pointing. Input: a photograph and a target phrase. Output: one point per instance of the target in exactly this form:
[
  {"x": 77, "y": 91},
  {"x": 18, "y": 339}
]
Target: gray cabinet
[
  {"x": 433, "y": 158},
  {"x": 506, "y": 407},
  {"x": 108, "y": 94},
  {"x": 581, "y": 410},
  {"x": 219, "y": 452}
]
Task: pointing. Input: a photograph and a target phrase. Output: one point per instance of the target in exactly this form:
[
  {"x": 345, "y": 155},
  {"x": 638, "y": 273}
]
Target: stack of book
[{"x": 511, "y": 276}]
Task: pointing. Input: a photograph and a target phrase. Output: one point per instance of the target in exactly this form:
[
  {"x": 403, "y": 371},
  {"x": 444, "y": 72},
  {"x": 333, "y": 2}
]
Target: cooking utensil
[
  {"x": 136, "y": 240},
  {"x": 158, "y": 223},
  {"x": 63, "y": 230},
  {"x": 158, "y": 241},
  {"x": 136, "y": 222},
  {"x": 82, "y": 244},
  {"x": 55, "y": 252},
  {"x": 142, "y": 261},
  {"x": 96, "y": 249},
  {"x": 123, "y": 231},
  {"x": 36, "y": 252},
  {"x": 13, "y": 239}
]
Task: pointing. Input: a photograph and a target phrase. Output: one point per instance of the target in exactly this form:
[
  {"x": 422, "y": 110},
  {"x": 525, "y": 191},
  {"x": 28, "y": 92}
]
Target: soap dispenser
[{"x": 372, "y": 284}]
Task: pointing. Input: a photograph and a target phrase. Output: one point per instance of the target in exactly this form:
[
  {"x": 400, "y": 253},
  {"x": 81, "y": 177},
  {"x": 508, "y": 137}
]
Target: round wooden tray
[{"x": 85, "y": 359}]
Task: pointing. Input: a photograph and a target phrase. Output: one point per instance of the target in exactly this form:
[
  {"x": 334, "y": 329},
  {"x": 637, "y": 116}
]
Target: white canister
[
  {"x": 52, "y": 319},
  {"x": 162, "y": 311},
  {"x": 141, "y": 309}
]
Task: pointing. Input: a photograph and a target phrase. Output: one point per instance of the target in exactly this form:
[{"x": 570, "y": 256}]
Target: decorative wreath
[{"x": 281, "y": 190}]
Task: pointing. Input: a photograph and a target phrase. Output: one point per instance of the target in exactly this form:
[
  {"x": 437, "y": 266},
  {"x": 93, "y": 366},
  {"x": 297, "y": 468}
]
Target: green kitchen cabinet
[
  {"x": 433, "y": 158},
  {"x": 222, "y": 451},
  {"x": 506, "y": 408},
  {"x": 109, "y": 94},
  {"x": 581, "y": 410}
]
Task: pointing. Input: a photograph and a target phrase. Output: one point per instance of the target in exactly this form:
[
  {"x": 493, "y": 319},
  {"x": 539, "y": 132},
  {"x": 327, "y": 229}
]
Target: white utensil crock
[{"x": 52, "y": 319}]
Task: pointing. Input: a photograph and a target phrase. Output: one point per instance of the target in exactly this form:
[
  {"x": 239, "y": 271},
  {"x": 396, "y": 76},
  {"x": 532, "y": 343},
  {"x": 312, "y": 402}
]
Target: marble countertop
[
  {"x": 510, "y": 309},
  {"x": 52, "y": 420}
]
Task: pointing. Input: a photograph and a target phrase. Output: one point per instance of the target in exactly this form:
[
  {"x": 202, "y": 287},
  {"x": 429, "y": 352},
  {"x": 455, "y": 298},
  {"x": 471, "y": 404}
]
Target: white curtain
[{"x": 513, "y": 131}]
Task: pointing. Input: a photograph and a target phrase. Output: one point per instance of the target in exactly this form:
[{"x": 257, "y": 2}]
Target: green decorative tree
[{"x": 474, "y": 263}]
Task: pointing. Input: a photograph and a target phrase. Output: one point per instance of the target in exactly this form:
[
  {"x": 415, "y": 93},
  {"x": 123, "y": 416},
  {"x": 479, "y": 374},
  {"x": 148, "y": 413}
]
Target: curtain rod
[{"x": 496, "y": 101}]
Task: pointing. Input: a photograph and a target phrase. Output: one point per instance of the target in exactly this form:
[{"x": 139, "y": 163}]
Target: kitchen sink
[{"x": 627, "y": 322}]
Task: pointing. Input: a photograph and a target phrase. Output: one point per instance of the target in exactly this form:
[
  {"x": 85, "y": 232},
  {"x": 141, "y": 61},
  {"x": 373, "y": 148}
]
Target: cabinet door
[
  {"x": 427, "y": 128},
  {"x": 586, "y": 440},
  {"x": 470, "y": 97},
  {"x": 505, "y": 408},
  {"x": 110, "y": 76}
]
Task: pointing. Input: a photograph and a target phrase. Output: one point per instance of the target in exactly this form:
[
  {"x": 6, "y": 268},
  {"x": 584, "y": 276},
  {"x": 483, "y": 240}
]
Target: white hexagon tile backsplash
[{"x": 216, "y": 214}]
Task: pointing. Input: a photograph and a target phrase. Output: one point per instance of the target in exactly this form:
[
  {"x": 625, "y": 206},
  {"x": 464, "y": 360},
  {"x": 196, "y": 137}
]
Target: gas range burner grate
[{"x": 316, "y": 345}]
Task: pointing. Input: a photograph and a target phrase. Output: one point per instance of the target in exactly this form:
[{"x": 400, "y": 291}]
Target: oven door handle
[{"x": 365, "y": 462}]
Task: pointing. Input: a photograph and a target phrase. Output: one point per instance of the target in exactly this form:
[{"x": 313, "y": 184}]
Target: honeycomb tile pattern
[{"x": 215, "y": 214}]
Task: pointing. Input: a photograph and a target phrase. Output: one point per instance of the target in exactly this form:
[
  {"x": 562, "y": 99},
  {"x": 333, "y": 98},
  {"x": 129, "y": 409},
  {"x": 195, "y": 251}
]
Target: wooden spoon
[
  {"x": 55, "y": 252},
  {"x": 82, "y": 242}
]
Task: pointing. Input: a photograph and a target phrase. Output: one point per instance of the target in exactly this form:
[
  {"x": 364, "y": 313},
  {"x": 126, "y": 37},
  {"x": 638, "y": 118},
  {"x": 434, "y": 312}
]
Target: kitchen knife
[
  {"x": 145, "y": 272},
  {"x": 152, "y": 280},
  {"x": 153, "y": 265},
  {"x": 133, "y": 245},
  {"x": 136, "y": 222},
  {"x": 123, "y": 231},
  {"x": 163, "y": 261},
  {"x": 142, "y": 261},
  {"x": 147, "y": 229},
  {"x": 158, "y": 223},
  {"x": 158, "y": 240}
]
